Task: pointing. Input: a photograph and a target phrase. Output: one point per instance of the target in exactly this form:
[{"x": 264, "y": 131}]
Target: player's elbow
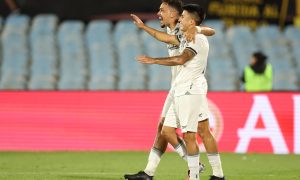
[{"x": 181, "y": 61}]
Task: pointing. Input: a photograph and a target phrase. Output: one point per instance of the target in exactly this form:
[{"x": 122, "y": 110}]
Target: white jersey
[
  {"x": 173, "y": 50},
  {"x": 190, "y": 76}
]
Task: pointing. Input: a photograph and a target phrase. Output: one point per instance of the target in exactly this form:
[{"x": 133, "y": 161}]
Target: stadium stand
[
  {"x": 220, "y": 61},
  {"x": 293, "y": 35},
  {"x": 100, "y": 55}
]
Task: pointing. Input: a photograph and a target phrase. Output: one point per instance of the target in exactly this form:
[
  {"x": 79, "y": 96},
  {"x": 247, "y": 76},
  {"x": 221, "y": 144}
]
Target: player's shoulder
[{"x": 201, "y": 39}]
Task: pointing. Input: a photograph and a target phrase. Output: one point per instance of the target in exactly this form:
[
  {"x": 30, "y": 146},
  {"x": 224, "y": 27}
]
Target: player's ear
[
  {"x": 192, "y": 21},
  {"x": 173, "y": 13}
]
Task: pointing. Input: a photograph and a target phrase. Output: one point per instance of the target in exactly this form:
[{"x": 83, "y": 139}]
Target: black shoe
[
  {"x": 138, "y": 176},
  {"x": 216, "y": 178}
]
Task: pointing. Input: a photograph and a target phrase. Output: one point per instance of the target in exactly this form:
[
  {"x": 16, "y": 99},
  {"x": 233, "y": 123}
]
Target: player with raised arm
[
  {"x": 190, "y": 88},
  {"x": 169, "y": 14}
]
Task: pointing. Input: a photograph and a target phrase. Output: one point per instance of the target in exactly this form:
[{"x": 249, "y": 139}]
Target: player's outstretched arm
[
  {"x": 168, "y": 61},
  {"x": 159, "y": 35}
]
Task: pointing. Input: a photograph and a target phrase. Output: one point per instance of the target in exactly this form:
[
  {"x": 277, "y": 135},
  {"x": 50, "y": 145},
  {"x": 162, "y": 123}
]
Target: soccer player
[
  {"x": 190, "y": 89},
  {"x": 169, "y": 13}
]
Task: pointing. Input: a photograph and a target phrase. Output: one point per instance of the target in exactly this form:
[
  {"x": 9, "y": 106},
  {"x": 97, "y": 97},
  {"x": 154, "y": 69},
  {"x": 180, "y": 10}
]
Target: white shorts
[
  {"x": 186, "y": 111},
  {"x": 167, "y": 104}
]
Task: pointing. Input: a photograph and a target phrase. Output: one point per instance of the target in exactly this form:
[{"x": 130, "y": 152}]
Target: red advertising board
[{"x": 105, "y": 121}]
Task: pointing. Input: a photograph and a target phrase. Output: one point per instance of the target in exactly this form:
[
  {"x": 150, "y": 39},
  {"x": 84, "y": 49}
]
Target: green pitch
[{"x": 113, "y": 165}]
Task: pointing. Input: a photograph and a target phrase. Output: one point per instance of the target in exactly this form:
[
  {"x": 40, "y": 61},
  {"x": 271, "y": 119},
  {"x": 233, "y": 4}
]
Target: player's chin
[{"x": 162, "y": 24}]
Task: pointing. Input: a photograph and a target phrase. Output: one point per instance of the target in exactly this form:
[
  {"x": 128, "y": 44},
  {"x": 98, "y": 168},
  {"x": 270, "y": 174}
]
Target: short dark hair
[
  {"x": 176, "y": 4},
  {"x": 197, "y": 11},
  {"x": 260, "y": 57}
]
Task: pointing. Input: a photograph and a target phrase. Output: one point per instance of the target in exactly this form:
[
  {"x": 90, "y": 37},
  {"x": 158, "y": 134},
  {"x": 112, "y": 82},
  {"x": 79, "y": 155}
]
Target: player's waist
[{"x": 183, "y": 83}]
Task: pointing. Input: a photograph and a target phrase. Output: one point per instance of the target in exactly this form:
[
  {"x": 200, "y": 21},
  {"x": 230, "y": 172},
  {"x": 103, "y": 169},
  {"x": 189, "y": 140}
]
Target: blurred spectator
[{"x": 257, "y": 76}]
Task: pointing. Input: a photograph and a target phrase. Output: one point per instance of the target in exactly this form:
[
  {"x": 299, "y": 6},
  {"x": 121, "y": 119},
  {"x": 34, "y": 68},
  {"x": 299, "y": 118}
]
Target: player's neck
[{"x": 172, "y": 26}]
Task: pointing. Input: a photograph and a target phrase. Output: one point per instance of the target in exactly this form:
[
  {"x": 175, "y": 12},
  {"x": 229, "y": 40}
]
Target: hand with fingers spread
[{"x": 137, "y": 21}]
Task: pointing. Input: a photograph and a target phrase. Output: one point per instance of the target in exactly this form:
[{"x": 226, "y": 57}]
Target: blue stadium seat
[
  {"x": 42, "y": 83},
  {"x": 267, "y": 36},
  {"x": 44, "y": 66},
  {"x": 103, "y": 72},
  {"x": 16, "y": 24},
  {"x": 217, "y": 70},
  {"x": 44, "y": 24},
  {"x": 74, "y": 63},
  {"x": 218, "y": 25},
  {"x": 285, "y": 80},
  {"x": 292, "y": 33},
  {"x": 15, "y": 52},
  {"x": 9, "y": 81}
]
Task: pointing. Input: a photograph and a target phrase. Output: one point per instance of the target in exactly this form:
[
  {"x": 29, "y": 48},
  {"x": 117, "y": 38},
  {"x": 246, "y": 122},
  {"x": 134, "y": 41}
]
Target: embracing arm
[
  {"x": 159, "y": 35},
  {"x": 168, "y": 61},
  {"x": 190, "y": 34},
  {"x": 207, "y": 31}
]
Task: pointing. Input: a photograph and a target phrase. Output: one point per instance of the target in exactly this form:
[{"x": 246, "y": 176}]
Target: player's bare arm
[
  {"x": 190, "y": 34},
  {"x": 207, "y": 31},
  {"x": 168, "y": 61},
  {"x": 159, "y": 35}
]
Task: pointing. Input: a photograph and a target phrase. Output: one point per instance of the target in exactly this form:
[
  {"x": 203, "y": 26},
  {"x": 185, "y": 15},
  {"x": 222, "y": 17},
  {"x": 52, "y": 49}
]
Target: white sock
[
  {"x": 181, "y": 150},
  {"x": 215, "y": 162},
  {"x": 153, "y": 161},
  {"x": 193, "y": 164}
]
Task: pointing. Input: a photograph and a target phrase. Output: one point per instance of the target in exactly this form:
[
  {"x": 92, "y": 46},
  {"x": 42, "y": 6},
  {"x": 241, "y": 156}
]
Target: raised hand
[{"x": 137, "y": 21}]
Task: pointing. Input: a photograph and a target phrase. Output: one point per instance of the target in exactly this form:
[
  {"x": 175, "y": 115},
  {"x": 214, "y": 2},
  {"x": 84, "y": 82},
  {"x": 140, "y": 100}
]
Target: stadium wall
[{"x": 122, "y": 121}]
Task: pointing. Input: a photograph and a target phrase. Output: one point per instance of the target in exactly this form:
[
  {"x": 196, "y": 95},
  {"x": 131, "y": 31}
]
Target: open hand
[
  {"x": 137, "y": 21},
  {"x": 145, "y": 59}
]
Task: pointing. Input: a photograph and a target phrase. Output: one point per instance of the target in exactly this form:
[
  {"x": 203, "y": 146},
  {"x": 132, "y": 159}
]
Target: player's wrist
[{"x": 143, "y": 26}]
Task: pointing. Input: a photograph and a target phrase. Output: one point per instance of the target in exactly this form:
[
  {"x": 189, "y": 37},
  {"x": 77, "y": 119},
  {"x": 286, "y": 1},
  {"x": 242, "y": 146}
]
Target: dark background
[
  {"x": 87, "y": 9},
  {"x": 120, "y": 9}
]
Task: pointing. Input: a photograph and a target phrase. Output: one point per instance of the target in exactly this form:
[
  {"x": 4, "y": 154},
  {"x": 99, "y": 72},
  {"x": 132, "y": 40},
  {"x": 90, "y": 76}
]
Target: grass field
[{"x": 112, "y": 166}]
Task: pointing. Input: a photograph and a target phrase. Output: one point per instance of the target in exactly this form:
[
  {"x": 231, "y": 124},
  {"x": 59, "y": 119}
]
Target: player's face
[
  {"x": 164, "y": 15},
  {"x": 185, "y": 21}
]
